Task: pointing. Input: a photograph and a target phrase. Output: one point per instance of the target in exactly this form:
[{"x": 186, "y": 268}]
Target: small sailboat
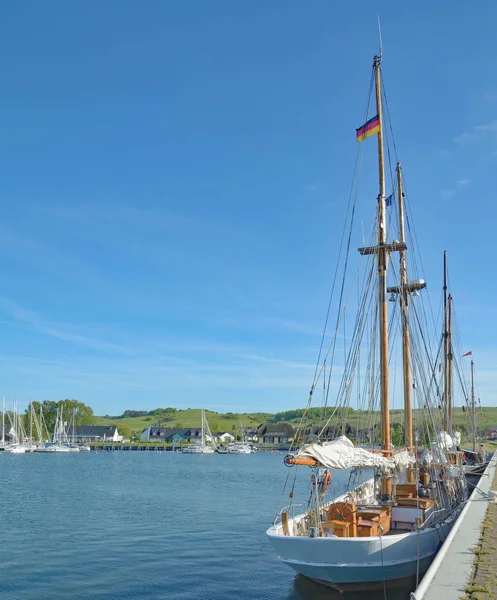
[
  {"x": 476, "y": 459},
  {"x": 206, "y": 444},
  {"x": 19, "y": 446},
  {"x": 58, "y": 437},
  {"x": 399, "y": 503},
  {"x": 241, "y": 447}
]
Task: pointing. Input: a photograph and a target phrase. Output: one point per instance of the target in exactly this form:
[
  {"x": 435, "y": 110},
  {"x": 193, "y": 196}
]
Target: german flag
[{"x": 369, "y": 128}]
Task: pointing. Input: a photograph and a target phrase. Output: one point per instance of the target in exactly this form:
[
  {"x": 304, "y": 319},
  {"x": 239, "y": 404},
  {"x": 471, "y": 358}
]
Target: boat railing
[{"x": 287, "y": 509}]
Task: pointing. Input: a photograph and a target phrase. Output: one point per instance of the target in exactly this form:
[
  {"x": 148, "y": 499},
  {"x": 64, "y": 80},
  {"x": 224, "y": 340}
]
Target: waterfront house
[
  {"x": 92, "y": 433},
  {"x": 275, "y": 433},
  {"x": 250, "y": 434},
  {"x": 159, "y": 433}
]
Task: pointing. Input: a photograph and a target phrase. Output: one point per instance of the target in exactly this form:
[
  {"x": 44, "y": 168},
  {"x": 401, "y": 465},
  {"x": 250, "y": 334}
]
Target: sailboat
[
  {"x": 391, "y": 524},
  {"x": 475, "y": 459},
  {"x": 241, "y": 447},
  {"x": 206, "y": 444},
  {"x": 55, "y": 446},
  {"x": 18, "y": 447}
]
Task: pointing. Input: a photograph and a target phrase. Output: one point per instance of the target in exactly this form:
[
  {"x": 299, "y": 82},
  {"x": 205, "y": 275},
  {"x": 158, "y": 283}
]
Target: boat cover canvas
[{"x": 342, "y": 454}]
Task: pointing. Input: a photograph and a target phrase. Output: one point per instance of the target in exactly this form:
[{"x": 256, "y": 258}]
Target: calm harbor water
[{"x": 136, "y": 525}]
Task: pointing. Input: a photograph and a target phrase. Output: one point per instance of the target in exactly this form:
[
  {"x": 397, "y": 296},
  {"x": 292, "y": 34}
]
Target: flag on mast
[
  {"x": 468, "y": 353},
  {"x": 369, "y": 128}
]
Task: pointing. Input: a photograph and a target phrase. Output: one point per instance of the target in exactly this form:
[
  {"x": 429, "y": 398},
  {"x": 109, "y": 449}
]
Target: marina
[{"x": 262, "y": 230}]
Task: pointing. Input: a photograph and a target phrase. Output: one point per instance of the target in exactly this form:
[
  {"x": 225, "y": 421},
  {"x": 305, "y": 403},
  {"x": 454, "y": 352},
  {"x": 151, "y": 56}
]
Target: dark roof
[
  {"x": 159, "y": 431},
  {"x": 275, "y": 429},
  {"x": 175, "y": 436},
  {"x": 93, "y": 430}
]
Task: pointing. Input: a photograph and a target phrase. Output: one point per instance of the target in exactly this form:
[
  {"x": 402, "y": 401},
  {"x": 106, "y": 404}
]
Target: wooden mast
[
  {"x": 473, "y": 405},
  {"x": 406, "y": 349},
  {"x": 404, "y": 290},
  {"x": 445, "y": 336},
  {"x": 404, "y": 302},
  {"x": 382, "y": 250},
  {"x": 447, "y": 403},
  {"x": 450, "y": 365},
  {"x": 386, "y": 481}
]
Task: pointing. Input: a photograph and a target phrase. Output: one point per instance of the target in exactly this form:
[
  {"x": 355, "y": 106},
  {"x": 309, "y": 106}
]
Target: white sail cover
[{"x": 342, "y": 454}]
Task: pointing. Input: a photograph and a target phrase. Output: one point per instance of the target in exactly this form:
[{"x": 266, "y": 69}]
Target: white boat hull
[
  {"x": 53, "y": 449},
  {"x": 341, "y": 561},
  {"x": 199, "y": 450}
]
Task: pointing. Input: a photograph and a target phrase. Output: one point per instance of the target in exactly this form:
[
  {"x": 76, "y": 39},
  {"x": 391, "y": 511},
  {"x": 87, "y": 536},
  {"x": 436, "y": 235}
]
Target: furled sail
[{"x": 342, "y": 454}]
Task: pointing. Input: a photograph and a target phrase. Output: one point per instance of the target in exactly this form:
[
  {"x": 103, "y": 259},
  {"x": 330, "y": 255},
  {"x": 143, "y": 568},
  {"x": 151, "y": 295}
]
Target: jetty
[{"x": 464, "y": 566}]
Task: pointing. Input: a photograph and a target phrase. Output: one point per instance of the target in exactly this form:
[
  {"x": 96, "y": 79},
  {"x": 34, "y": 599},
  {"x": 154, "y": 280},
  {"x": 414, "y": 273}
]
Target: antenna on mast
[{"x": 379, "y": 35}]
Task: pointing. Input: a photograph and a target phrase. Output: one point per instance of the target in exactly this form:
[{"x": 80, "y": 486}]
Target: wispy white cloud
[
  {"x": 459, "y": 185},
  {"x": 478, "y": 132},
  {"x": 148, "y": 383},
  {"x": 56, "y": 330}
]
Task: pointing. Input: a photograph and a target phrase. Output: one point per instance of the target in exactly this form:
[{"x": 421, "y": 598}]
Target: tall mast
[
  {"x": 447, "y": 338},
  {"x": 382, "y": 272},
  {"x": 473, "y": 405},
  {"x": 386, "y": 487},
  {"x": 450, "y": 364},
  {"x": 404, "y": 303},
  {"x": 382, "y": 250},
  {"x": 3, "y": 421}
]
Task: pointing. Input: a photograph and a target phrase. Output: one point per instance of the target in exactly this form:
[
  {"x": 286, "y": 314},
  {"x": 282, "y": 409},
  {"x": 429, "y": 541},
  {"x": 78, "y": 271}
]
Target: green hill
[
  {"x": 486, "y": 417},
  {"x": 191, "y": 417}
]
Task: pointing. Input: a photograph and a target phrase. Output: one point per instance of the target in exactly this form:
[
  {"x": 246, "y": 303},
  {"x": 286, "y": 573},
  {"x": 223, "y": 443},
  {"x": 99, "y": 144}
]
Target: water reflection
[{"x": 306, "y": 589}]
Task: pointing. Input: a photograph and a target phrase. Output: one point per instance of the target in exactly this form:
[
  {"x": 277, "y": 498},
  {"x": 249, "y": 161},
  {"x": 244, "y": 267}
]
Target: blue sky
[{"x": 175, "y": 177}]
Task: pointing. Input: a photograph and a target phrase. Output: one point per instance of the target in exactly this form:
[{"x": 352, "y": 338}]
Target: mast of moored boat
[
  {"x": 450, "y": 364},
  {"x": 473, "y": 424},
  {"x": 382, "y": 250},
  {"x": 403, "y": 291},
  {"x": 386, "y": 482},
  {"x": 406, "y": 349},
  {"x": 447, "y": 404},
  {"x": 3, "y": 422}
]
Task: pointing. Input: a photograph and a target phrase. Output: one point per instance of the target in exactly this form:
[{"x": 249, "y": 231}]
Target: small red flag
[{"x": 468, "y": 353}]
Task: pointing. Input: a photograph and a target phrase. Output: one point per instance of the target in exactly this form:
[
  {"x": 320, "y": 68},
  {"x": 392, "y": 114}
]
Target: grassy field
[
  {"x": 486, "y": 418},
  {"x": 191, "y": 417}
]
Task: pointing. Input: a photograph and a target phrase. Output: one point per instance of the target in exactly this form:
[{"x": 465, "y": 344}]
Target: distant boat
[
  {"x": 241, "y": 448},
  {"x": 52, "y": 447},
  {"x": 206, "y": 444}
]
